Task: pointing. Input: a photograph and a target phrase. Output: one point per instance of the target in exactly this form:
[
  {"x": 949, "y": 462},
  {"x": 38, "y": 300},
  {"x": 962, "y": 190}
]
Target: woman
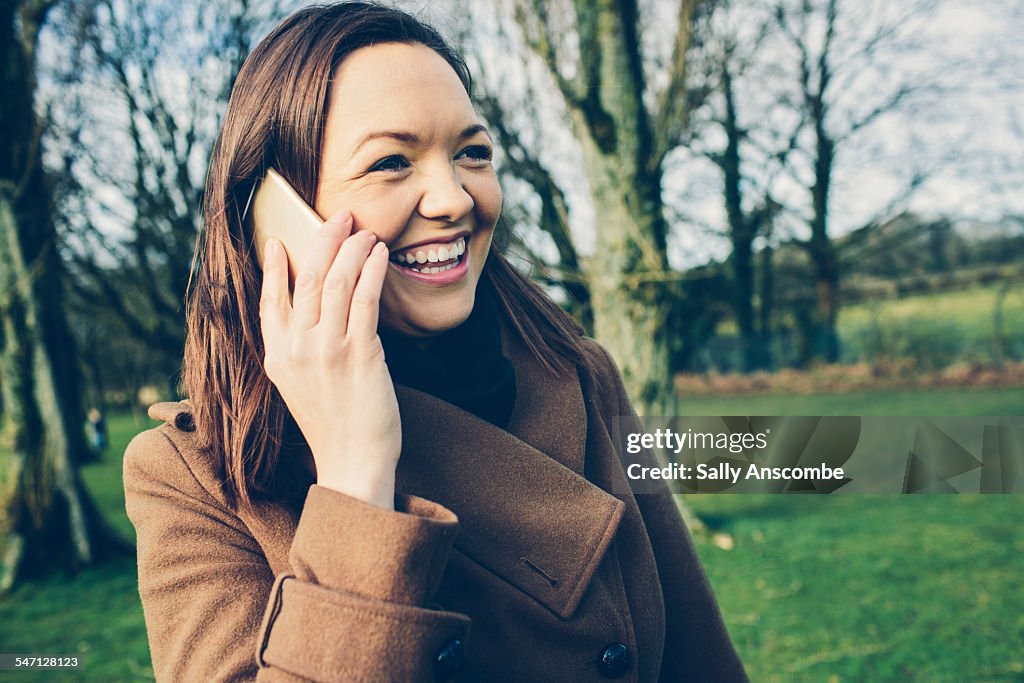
[{"x": 400, "y": 474}]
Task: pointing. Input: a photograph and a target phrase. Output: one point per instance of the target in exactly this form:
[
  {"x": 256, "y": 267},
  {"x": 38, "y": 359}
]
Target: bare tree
[
  {"x": 520, "y": 163},
  {"x": 136, "y": 116},
  {"x": 841, "y": 53},
  {"x": 46, "y": 516},
  {"x": 625, "y": 124},
  {"x": 748, "y": 152}
]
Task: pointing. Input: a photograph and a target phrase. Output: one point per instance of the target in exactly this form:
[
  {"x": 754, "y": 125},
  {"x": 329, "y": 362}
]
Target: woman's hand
[{"x": 323, "y": 354}]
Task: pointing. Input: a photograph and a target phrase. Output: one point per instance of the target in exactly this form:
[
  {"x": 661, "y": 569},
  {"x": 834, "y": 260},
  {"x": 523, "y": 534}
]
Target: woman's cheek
[
  {"x": 486, "y": 193},
  {"x": 385, "y": 216}
]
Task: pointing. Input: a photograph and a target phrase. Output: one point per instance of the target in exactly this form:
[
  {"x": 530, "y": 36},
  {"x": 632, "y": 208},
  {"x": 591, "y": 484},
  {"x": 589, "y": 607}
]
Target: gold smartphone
[{"x": 276, "y": 210}]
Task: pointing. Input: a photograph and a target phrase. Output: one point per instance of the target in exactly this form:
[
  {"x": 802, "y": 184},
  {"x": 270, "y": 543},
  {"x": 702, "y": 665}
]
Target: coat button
[
  {"x": 614, "y": 661},
  {"x": 449, "y": 660}
]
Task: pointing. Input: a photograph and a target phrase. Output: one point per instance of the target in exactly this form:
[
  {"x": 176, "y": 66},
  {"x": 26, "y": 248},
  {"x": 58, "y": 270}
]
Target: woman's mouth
[{"x": 437, "y": 264}]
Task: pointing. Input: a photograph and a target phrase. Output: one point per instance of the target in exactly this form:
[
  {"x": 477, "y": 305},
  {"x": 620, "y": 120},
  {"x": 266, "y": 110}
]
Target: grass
[
  {"x": 854, "y": 588},
  {"x": 935, "y": 329},
  {"x": 870, "y": 588},
  {"x": 1002, "y": 401},
  {"x": 972, "y": 308},
  {"x": 96, "y": 613}
]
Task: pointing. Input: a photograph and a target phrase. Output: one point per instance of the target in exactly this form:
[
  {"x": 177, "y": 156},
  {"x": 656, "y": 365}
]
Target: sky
[
  {"x": 968, "y": 136},
  {"x": 965, "y": 135}
]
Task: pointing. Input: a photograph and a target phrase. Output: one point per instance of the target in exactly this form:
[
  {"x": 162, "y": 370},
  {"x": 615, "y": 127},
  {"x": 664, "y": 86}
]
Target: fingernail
[
  {"x": 269, "y": 249},
  {"x": 380, "y": 248}
]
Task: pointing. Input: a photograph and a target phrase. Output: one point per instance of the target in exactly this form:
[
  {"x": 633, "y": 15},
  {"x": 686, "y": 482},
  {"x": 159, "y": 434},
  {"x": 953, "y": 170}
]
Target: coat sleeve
[
  {"x": 351, "y": 608},
  {"x": 697, "y": 643}
]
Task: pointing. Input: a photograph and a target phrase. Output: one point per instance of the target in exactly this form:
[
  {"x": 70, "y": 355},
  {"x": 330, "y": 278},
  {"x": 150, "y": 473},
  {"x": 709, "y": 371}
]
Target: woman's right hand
[{"x": 323, "y": 354}]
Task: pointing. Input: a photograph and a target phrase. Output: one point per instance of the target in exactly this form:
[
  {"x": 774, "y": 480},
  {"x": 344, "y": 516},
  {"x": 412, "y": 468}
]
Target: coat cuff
[
  {"x": 367, "y": 640},
  {"x": 392, "y": 556}
]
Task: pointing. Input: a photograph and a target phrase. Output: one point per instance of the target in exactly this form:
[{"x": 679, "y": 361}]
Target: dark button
[
  {"x": 614, "y": 661},
  {"x": 449, "y": 660}
]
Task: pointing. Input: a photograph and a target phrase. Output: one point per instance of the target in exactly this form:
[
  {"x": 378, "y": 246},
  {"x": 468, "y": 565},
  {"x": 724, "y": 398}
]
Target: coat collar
[{"x": 526, "y": 512}]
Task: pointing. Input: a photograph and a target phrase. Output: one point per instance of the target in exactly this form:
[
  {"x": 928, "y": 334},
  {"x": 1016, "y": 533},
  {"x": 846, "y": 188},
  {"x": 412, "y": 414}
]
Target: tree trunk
[
  {"x": 742, "y": 228},
  {"x": 629, "y": 311},
  {"x": 822, "y": 250},
  {"x": 826, "y": 315},
  {"x": 46, "y": 517},
  {"x": 767, "y": 310},
  {"x": 626, "y": 280},
  {"x": 624, "y": 144}
]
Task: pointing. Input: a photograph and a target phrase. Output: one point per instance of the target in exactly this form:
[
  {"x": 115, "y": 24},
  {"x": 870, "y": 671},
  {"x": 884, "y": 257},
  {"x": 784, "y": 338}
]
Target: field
[
  {"x": 931, "y": 330},
  {"x": 1000, "y": 401},
  {"x": 855, "y": 588},
  {"x": 936, "y": 329}
]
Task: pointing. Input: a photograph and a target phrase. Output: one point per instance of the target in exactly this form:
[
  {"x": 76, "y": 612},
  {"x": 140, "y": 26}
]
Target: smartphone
[{"x": 276, "y": 210}]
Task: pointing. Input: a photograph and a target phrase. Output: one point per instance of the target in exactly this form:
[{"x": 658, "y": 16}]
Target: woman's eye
[
  {"x": 391, "y": 163},
  {"x": 476, "y": 153}
]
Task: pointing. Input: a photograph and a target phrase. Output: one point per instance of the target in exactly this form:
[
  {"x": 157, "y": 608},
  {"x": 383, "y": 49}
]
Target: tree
[
  {"x": 46, "y": 516},
  {"x": 133, "y": 163},
  {"x": 521, "y": 164},
  {"x": 624, "y": 136},
  {"x": 841, "y": 51},
  {"x": 732, "y": 34}
]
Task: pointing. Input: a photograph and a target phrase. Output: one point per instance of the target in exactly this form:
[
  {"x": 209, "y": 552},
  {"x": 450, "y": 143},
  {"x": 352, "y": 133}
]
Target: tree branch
[
  {"x": 539, "y": 38},
  {"x": 673, "y": 103}
]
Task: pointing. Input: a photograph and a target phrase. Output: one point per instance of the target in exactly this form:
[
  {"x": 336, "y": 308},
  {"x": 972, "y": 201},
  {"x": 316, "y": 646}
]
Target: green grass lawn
[
  {"x": 935, "y": 329},
  {"x": 1001, "y": 401},
  {"x": 972, "y": 308},
  {"x": 871, "y": 588},
  {"x": 836, "y": 588}
]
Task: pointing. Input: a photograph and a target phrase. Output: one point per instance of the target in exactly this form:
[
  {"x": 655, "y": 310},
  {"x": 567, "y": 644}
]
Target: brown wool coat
[{"x": 506, "y": 541}]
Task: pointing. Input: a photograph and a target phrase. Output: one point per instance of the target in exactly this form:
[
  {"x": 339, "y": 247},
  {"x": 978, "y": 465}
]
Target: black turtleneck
[{"x": 463, "y": 366}]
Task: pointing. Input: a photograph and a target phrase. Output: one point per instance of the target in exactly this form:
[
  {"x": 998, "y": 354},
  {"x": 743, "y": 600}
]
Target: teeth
[
  {"x": 430, "y": 270},
  {"x": 442, "y": 253}
]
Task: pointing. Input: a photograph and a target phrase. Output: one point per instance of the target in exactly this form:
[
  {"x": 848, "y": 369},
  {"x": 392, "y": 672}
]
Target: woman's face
[{"x": 405, "y": 152}]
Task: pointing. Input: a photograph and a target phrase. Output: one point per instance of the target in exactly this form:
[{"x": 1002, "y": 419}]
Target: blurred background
[{"x": 760, "y": 207}]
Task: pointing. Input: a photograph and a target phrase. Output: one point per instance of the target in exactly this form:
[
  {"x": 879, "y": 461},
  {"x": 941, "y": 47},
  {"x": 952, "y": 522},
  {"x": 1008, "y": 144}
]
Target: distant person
[
  {"x": 97, "y": 430},
  {"x": 403, "y": 473}
]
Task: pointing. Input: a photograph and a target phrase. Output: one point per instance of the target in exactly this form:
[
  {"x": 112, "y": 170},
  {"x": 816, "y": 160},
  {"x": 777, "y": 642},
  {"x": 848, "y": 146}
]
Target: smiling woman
[
  {"x": 404, "y": 150},
  {"x": 401, "y": 472}
]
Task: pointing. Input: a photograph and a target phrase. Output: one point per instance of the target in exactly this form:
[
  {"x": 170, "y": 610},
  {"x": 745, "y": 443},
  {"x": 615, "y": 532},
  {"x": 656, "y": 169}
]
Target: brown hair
[{"x": 275, "y": 117}]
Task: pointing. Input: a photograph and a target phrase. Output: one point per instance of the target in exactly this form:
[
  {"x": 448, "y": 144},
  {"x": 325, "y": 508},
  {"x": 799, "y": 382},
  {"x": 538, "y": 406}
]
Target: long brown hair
[{"x": 275, "y": 117}]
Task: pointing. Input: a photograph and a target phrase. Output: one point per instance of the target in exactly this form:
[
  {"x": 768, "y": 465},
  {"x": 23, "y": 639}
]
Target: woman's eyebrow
[
  {"x": 412, "y": 138},
  {"x": 401, "y": 136},
  {"x": 470, "y": 131}
]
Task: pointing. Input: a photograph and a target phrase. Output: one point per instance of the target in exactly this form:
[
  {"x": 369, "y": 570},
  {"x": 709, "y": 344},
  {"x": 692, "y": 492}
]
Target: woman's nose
[{"x": 444, "y": 197}]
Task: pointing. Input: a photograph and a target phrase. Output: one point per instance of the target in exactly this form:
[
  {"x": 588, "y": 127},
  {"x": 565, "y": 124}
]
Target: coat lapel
[
  {"x": 525, "y": 511},
  {"x": 549, "y": 413}
]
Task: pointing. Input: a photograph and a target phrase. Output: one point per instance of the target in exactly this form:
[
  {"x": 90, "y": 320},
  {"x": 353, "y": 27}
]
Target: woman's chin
[{"x": 427, "y": 323}]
